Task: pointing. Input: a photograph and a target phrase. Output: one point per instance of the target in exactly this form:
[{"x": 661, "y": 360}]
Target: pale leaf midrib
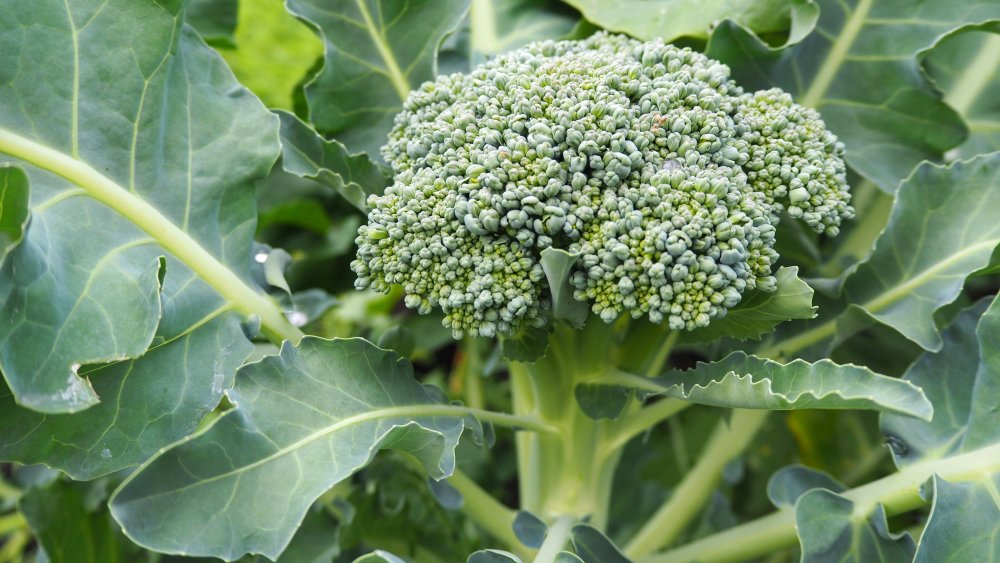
[
  {"x": 142, "y": 214},
  {"x": 838, "y": 51},
  {"x": 975, "y": 77},
  {"x": 396, "y": 76},
  {"x": 407, "y": 413},
  {"x": 890, "y": 297}
]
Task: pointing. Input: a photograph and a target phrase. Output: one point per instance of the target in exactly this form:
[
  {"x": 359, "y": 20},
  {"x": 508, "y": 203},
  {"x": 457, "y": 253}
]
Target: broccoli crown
[{"x": 645, "y": 159}]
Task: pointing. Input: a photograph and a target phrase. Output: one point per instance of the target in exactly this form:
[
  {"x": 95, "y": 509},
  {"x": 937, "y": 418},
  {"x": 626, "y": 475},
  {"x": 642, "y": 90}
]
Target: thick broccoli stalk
[{"x": 644, "y": 158}]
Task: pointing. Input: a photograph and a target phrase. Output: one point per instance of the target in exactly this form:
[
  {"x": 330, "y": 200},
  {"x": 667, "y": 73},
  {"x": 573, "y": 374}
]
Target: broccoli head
[{"x": 644, "y": 159}]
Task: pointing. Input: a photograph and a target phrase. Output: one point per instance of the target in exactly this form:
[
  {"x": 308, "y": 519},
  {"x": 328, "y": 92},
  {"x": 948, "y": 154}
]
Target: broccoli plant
[{"x": 499, "y": 281}]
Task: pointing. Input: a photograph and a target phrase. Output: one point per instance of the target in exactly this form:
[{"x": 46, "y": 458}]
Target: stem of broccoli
[
  {"x": 569, "y": 472},
  {"x": 728, "y": 441},
  {"x": 572, "y": 471},
  {"x": 897, "y": 493},
  {"x": 488, "y": 512}
]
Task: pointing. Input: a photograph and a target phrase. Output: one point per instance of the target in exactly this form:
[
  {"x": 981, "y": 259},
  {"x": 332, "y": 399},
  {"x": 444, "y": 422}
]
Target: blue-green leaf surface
[
  {"x": 860, "y": 70},
  {"x": 147, "y": 404},
  {"x": 963, "y": 382},
  {"x": 943, "y": 228},
  {"x": 304, "y": 421},
  {"x": 376, "y": 52},
  {"x": 741, "y": 381},
  {"x": 831, "y": 530},
  {"x": 967, "y": 69},
  {"x": 305, "y": 153},
  {"x": 121, "y": 86},
  {"x": 672, "y": 19}
]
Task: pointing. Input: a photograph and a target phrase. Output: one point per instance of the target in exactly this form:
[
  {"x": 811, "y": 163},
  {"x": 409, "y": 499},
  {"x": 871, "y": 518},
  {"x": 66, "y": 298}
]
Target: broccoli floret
[{"x": 645, "y": 159}]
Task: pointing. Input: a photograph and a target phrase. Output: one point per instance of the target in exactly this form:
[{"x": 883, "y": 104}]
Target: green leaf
[
  {"x": 558, "y": 266},
  {"x": 592, "y": 546},
  {"x": 379, "y": 556},
  {"x": 530, "y": 529},
  {"x": 599, "y": 401},
  {"x": 376, "y": 52},
  {"x": 304, "y": 421},
  {"x": 13, "y": 208},
  {"x": 831, "y": 529},
  {"x": 967, "y": 68},
  {"x": 789, "y": 483},
  {"x": 942, "y": 229},
  {"x": 316, "y": 541},
  {"x": 945, "y": 434},
  {"x": 68, "y": 530},
  {"x": 215, "y": 20},
  {"x": 447, "y": 495},
  {"x": 964, "y": 523},
  {"x": 526, "y": 345},
  {"x": 497, "y": 26},
  {"x": 160, "y": 161},
  {"x": 749, "y": 382},
  {"x": 671, "y": 19},
  {"x": 148, "y": 403},
  {"x": 493, "y": 556},
  {"x": 860, "y": 70},
  {"x": 305, "y": 153},
  {"x": 760, "y": 312}
]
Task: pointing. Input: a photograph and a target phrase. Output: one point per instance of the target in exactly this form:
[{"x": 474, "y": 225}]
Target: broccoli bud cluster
[{"x": 645, "y": 159}]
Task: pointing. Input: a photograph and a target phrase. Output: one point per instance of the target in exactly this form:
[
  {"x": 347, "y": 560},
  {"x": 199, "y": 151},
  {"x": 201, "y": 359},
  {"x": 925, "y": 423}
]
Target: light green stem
[
  {"x": 178, "y": 242},
  {"x": 555, "y": 539},
  {"x": 525, "y": 422},
  {"x": 488, "y": 513},
  {"x": 645, "y": 418},
  {"x": 12, "y": 522},
  {"x": 876, "y": 206},
  {"x": 898, "y": 493},
  {"x": 472, "y": 373},
  {"x": 971, "y": 83},
  {"x": 8, "y": 491},
  {"x": 663, "y": 353},
  {"x": 13, "y": 549},
  {"x": 525, "y": 443},
  {"x": 727, "y": 442}
]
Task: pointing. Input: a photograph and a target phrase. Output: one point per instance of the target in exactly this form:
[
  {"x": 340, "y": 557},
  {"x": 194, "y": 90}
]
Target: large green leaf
[
  {"x": 70, "y": 530},
  {"x": 860, "y": 69},
  {"x": 963, "y": 382},
  {"x": 13, "y": 208},
  {"x": 749, "y": 382},
  {"x": 761, "y": 311},
  {"x": 967, "y": 68},
  {"x": 942, "y": 229},
  {"x": 162, "y": 156},
  {"x": 304, "y": 421},
  {"x": 147, "y": 403},
  {"x": 671, "y": 19},
  {"x": 592, "y": 546},
  {"x": 306, "y": 154},
  {"x": 965, "y": 522},
  {"x": 833, "y": 529},
  {"x": 376, "y": 52}
]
